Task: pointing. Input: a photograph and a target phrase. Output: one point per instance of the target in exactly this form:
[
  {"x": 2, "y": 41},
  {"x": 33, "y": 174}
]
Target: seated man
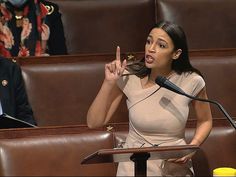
[
  {"x": 13, "y": 96},
  {"x": 30, "y": 28}
]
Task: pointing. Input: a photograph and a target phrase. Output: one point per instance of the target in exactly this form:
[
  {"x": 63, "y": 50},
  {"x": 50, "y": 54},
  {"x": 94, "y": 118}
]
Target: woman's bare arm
[
  {"x": 109, "y": 96},
  {"x": 204, "y": 119}
]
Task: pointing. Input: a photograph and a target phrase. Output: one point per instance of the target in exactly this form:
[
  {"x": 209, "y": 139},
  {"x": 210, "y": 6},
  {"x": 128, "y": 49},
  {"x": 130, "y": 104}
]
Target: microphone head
[
  {"x": 165, "y": 83},
  {"x": 160, "y": 80}
]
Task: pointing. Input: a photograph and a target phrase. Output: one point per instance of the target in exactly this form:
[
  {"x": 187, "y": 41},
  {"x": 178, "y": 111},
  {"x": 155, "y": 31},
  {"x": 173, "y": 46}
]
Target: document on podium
[{"x": 7, "y": 121}]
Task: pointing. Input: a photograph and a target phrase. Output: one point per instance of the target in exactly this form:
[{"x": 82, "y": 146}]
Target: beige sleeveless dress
[{"x": 157, "y": 116}]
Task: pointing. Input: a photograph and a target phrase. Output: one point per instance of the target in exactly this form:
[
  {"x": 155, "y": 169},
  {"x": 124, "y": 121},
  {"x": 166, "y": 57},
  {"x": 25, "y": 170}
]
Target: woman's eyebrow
[{"x": 163, "y": 40}]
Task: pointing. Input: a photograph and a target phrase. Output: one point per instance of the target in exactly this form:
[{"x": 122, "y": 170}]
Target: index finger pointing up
[{"x": 118, "y": 53}]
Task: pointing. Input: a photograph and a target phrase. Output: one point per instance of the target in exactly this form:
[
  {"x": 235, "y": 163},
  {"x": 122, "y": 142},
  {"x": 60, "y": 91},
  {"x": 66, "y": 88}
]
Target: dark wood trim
[
  {"x": 110, "y": 56},
  {"x": 78, "y": 129}
]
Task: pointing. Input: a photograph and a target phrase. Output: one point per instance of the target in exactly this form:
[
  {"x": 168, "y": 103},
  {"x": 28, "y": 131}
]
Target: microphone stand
[
  {"x": 165, "y": 83},
  {"x": 233, "y": 123}
]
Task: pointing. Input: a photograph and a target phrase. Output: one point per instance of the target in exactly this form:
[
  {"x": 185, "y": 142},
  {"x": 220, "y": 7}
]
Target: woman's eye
[
  {"x": 148, "y": 41},
  {"x": 162, "y": 46}
]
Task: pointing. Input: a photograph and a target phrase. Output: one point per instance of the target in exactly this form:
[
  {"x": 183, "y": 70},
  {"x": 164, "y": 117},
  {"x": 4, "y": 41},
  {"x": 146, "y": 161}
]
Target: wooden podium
[{"x": 139, "y": 155}]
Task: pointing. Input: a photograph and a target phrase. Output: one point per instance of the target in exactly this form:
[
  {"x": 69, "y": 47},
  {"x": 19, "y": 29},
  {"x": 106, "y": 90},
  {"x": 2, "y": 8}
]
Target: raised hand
[{"x": 115, "y": 69}]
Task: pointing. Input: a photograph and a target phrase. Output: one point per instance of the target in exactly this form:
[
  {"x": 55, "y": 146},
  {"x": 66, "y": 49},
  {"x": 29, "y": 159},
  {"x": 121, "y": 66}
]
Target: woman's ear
[{"x": 176, "y": 54}]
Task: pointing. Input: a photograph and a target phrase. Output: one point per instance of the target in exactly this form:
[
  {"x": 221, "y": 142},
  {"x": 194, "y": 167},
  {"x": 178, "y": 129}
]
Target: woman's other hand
[{"x": 184, "y": 159}]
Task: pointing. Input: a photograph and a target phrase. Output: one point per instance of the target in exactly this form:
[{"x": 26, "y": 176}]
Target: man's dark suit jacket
[{"x": 13, "y": 95}]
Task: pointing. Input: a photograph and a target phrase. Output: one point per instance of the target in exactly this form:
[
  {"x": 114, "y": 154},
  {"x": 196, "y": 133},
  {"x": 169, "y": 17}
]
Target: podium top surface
[{"x": 123, "y": 154}]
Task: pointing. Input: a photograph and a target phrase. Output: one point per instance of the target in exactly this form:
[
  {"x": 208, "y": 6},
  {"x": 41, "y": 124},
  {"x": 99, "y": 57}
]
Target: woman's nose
[{"x": 152, "y": 48}]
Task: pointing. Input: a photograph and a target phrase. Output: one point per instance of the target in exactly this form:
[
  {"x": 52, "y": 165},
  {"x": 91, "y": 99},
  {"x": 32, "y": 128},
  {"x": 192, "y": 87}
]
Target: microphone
[{"x": 164, "y": 82}]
